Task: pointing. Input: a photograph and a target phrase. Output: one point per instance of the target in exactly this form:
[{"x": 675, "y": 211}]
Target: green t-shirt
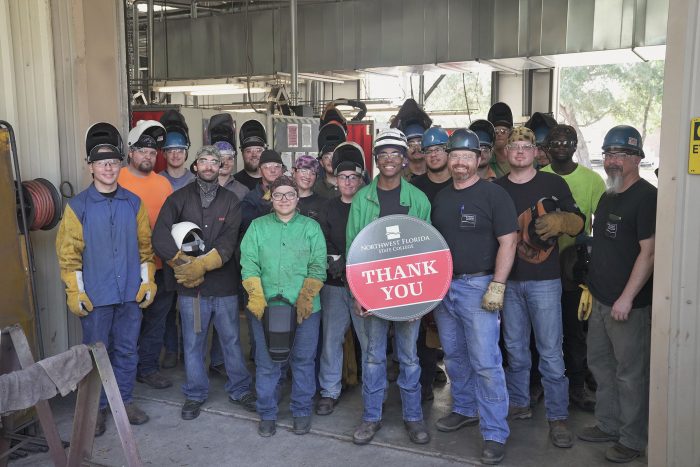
[{"x": 587, "y": 188}]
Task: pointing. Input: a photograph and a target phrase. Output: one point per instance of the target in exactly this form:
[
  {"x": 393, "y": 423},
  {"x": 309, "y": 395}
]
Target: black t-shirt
[
  {"x": 525, "y": 196},
  {"x": 620, "y": 222},
  {"x": 334, "y": 220},
  {"x": 390, "y": 202},
  {"x": 311, "y": 206},
  {"x": 245, "y": 178},
  {"x": 427, "y": 186},
  {"x": 471, "y": 220}
]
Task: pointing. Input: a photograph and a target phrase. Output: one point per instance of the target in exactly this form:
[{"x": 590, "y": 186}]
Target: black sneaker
[
  {"x": 266, "y": 428},
  {"x": 365, "y": 432},
  {"x": 247, "y": 401},
  {"x": 621, "y": 454},
  {"x": 493, "y": 452},
  {"x": 191, "y": 409},
  {"x": 454, "y": 421},
  {"x": 302, "y": 425}
]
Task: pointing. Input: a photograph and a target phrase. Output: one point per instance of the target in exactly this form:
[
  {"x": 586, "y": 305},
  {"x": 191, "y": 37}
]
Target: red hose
[{"x": 42, "y": 202}]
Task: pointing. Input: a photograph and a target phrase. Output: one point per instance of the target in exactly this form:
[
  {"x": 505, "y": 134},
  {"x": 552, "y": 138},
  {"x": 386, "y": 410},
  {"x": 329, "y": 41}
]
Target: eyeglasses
[
  {"x": 271, "y": 165},
  {"x": 209, "y": 162},
  {"x": 348, "y": 178},
  {"x": 435, "y": 150},
  {"x": 463, "y": 157},
  {"x": 305, "y": 171},
  {"x": 485, "y": 149},
  {"x": 175, "y": 151},
  {"x": 226, "y": 158},
  {"x": 501, "y": 131},
  {"x": 289, "y": 196},
  {"x": 520, "y": 147},
  {"x": 617, "y": 155},
  {"x": 253, "y": 150},
  {"x": 107, "y": 163},
  {"x": 562, "y": 144},
  {"x": 389, "y": 155},
  {"x": 146, "y": 152}
]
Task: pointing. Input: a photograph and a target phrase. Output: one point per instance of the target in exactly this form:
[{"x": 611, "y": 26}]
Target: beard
[
  {"x": 437, "y": 169},
  {"x": 251, "y": 166},
  {"x": 614, "y": 182}
]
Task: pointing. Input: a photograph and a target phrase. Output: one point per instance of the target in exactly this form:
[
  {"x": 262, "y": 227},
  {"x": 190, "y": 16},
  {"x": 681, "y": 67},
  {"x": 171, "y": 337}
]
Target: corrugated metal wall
[{"x": 359, "y": 34}]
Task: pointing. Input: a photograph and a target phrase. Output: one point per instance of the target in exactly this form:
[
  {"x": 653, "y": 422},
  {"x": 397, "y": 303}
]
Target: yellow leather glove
[
  {"x": 78, "y": 301},
  {"x": 585, "y": 305},
  {"x": 256, "y": 296},
  {"x": 192, "y": 274},
  {"x": 305, "y": 301},
  {"x": 554, "y": 224},
  {"x": 493, "y": 297},
  {"x": 179, "y": 259},
  {"x": 147, "y": 290}
]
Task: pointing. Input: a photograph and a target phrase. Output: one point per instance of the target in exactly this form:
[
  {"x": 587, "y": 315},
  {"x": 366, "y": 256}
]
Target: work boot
[
  {"x": 621, "y": 454},
  {"x": 155, "y": 380},
  {"x": 519, "y": 413},
  {"x": 101, "y": 422},
  {"x": 365, "y": 432},
  {"x": 580, "y": 398},
  {"x": 493, "y": 452},
  {"x": 559, "y": 434},
  {"x": 266, "y": 428},
  {"x": 135, "y": 414},
  {"x": 191, "y": 409},
  {"x": 325, "y": 405},
  {"x": 169, "y": 360},
  {"x": 454, "y": 421},
  {"x": 593, "y": 434},
  {"x": 417, "y": 432},
  {"x": 302, "y": 425},
  {"x": 247, "y": 401}
]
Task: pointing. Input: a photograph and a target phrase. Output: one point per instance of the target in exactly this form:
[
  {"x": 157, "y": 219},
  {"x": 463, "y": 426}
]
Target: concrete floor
[{"x": 225, "y": 434}]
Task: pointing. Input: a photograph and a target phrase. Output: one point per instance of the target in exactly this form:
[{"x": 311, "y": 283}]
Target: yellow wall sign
[{"x": 694, "y": 152}]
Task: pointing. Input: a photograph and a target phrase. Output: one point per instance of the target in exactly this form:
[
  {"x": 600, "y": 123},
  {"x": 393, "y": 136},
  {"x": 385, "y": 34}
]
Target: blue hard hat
[
  {"x": 414, "y": 130},
  {"x": 463, "y": 139},
  {"x": 485, "y": 131},
  {"x": 434, "y": 136},
  {"x": 175, "y": 140},
  {"x": 624, "y": 137}
]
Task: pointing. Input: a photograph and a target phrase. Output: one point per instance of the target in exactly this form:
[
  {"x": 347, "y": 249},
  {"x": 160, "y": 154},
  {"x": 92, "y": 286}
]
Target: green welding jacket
[{"x": 283, "y": 254}]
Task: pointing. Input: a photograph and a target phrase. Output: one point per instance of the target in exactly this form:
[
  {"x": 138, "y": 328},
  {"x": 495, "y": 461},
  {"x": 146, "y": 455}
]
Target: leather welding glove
[
  {"x": 179, "y": 259},
  {"x": 336, "y": 268},
  {"x": 305, "y": 301},
  {"x": 493, "y": 297},
  {"x": 78, "y": 301},
  {"x": 256, "y": 296},
  {"x": 193, "y": 272},
  {"x": 554, "y": 224},
  {"x": 585, "y": 305},
  {"x": 147, "y": 290}
]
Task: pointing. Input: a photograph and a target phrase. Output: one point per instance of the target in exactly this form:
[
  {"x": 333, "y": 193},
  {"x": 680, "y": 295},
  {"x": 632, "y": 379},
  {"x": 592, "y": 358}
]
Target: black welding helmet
[
  {"x": 252, "y": 133},
  {"x": 221, "y": 128},
  {"x": 280, "y": 326},
  {"x": 329, "y": 137}
]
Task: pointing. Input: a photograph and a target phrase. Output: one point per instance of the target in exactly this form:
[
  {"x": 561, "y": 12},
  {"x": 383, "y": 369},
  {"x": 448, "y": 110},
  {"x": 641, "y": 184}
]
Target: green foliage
[{"x": 449, "y": 94}]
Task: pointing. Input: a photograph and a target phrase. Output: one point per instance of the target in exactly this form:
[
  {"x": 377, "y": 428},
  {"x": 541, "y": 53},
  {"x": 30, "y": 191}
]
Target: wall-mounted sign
[{"x": 694, "y": 151}]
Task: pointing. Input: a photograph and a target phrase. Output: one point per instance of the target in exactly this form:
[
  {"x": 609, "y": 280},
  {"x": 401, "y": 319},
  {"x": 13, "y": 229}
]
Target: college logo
[
  {"x": 611, "y": 230},
  {"x": 393, "y": 232}
]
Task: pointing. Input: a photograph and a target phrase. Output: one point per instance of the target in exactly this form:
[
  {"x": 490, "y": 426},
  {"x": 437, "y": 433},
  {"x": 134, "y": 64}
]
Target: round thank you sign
[{"x": 399, "y": 267}]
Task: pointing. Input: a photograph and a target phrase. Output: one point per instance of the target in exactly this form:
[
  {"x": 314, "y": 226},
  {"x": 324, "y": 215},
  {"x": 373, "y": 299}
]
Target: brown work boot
[
  {"x": 100, "y": 424},
  {"x": 559, "y": 434},
  {"x": 135, "y": 414},
  {"x": 155, "y": 380}
]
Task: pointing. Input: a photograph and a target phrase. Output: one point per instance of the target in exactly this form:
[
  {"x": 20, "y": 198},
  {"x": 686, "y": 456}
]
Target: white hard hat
[
  {"x": 188, "y": 237},
  {"x": 149, "y": 127},
  {"x": 390, "y": 137}
]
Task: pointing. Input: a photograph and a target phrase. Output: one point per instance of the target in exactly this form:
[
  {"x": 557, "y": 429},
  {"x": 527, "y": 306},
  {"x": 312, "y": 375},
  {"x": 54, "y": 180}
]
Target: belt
[{"x": 456, "y": 275}]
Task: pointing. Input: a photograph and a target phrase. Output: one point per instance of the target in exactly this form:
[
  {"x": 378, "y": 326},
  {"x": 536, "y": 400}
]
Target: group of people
[{"x": 532, "y": 234}]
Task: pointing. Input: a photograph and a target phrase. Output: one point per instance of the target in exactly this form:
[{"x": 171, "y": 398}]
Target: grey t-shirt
[{"x": 179, "y": 182}]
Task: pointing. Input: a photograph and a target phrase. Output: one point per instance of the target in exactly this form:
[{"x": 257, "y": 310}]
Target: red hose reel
[{"x": 42, "y": 204}]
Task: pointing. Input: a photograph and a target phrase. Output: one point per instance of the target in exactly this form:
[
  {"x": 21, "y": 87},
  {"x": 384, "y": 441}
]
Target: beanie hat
[
  {"x": 307, "y": 162},
  {"x": 208, "y": 151},
  {"x": 225, "y": 148},
  {"x": 269, "y": 155}
]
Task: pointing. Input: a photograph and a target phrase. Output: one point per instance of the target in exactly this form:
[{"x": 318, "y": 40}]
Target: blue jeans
[
  {"x": 153, "y": 328},
  {"x": 171, "y": 335},
  {"x": 223, "y": 311},
  {"x": 302, "y": 362},
  {"x": 536, "y": 306},
  {"x": 336, "y": 305},
  {"x": 116, "y": 326},
  {"x": 469, "y": 336},
  {"x": 374, "y": 368}
]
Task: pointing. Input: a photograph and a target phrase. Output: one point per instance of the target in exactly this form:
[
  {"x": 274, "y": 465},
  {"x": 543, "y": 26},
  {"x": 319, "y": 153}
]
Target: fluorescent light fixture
[
  {"x": 225, "y": 91},
  {"x": 200, "y": 87},
  {"x": 313, "y": 77},
  {"x": 143, "y": 8},
  {"x": 245, "y": 111}
]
